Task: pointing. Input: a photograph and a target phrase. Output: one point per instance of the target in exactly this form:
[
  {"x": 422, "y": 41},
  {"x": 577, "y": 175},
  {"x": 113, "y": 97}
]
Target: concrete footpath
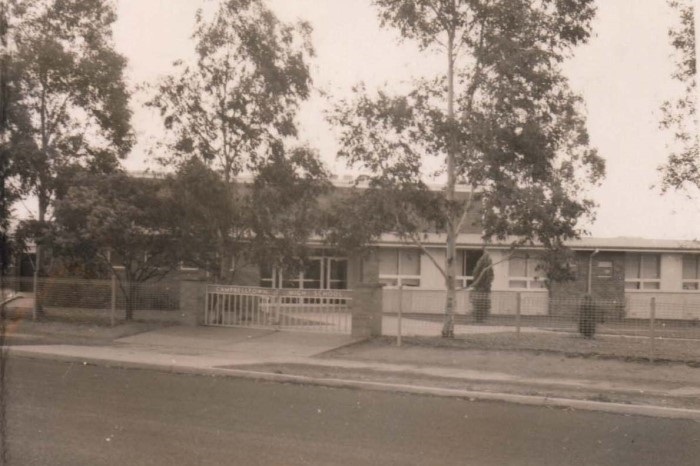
[{"x": 330, "y": 360}]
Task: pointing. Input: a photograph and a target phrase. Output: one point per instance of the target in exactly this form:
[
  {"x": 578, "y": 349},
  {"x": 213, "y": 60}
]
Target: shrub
[
  {"x": 480, "y": 296},
  {"x": 587, "y": 317}
]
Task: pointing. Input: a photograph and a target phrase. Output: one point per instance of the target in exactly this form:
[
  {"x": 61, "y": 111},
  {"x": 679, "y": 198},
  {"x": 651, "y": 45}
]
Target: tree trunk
[
  {"x": 223, "y": 259},
  {"x": 451, "y": 247},
  {"x": 38, "y": 260}
]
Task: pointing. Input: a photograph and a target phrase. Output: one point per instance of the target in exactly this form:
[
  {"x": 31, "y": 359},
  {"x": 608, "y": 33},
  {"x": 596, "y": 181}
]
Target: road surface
[{"x": 74, "y": 414}]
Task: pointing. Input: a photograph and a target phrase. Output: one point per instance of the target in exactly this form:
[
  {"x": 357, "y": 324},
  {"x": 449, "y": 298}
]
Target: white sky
[{"x": 623, "y": 74}]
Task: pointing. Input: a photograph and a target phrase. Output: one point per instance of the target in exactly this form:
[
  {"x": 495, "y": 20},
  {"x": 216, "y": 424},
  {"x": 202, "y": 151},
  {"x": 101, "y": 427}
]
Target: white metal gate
[{"x": 285, "y": 309}]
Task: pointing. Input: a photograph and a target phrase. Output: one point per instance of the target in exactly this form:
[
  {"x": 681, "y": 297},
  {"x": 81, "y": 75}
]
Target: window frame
[
  {"x": 639, "y": 280},
  {"x": 691, "y": 281},
  {"x": 277, "y": 278},
  {"x": 399, "y": 279},
  {"x": 463, "y": 280},
  {"x": 530, "y": 281}
]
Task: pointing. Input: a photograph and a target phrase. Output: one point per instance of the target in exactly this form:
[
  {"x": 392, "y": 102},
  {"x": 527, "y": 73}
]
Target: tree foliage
[
  {"x": 501, "y": 121},
  {"x": 13, "y": 136},
  {"x": 234, "y": 111},
  {"x": 121, "y": 222},
  {"x": 679, "y": 115},
  {"x": 238, "y": 101},
  {"x": 69, "y": 87},
  {"x": 71, "y": 82},
  {"x": 208, "y": 209},
  {"x": 268, "y": 219},
  {"x": 285, "y": 207}
]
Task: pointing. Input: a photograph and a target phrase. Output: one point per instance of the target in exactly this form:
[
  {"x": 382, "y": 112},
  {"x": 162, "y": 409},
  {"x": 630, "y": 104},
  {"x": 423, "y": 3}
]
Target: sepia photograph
[{"x": 349, "y": 232}]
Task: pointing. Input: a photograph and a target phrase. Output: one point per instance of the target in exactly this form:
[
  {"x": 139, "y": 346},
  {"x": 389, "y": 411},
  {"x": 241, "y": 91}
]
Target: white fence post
[
  {"x": 398, "y": 322},
  {"x": 113, "y": 304},
  {"x": 206, "y": 304},
  {"x": 278, "y": 305},
  {"x": 518, "y": 311},
  {"x": 652, "y": 325}
]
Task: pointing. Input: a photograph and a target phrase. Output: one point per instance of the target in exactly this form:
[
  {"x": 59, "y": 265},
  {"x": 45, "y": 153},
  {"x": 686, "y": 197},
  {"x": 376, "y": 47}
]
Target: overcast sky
[{"x": 623, "y": 74}]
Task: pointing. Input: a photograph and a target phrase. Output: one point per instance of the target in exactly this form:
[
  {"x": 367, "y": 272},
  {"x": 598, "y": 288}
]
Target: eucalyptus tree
[
  {"x": 234, "y": 108},
  {"x": 500, "y": 124},
  {"x": 70, "y": 82},
  {"x": 680, "y": 115}
]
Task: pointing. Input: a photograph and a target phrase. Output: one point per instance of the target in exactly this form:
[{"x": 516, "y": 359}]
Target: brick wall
[{"x": 607, "y": 282}]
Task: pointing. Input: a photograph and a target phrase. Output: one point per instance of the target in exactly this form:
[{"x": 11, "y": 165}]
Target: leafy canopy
[
  {"x": 118, "y": 219},
  {"x": 70, "y": 81},
  {"x": 680, "y": 115},
  {"x": 232, "y": 113},
  {"x": 239, "y": 100},
  {"x": 517, "y": 132}
]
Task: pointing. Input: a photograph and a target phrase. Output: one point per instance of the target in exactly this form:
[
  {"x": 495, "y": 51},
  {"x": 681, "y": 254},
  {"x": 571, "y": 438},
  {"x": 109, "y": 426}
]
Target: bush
[
  {"x": 480, "y": 296},
  {"x": 481, "y": 303},
  {"x": 587, "y": 317}
]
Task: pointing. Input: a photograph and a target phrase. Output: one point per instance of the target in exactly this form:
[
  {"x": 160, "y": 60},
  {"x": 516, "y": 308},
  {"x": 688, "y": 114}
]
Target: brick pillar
[
  {"x": 367, "y": 310},
  {"x": 363, "y": 276},
  {"x": 192, "y": 295}
]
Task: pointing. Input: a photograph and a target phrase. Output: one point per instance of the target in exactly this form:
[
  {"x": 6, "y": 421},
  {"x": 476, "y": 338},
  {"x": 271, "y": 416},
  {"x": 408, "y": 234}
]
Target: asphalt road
[{"x": 74, "y": 414}]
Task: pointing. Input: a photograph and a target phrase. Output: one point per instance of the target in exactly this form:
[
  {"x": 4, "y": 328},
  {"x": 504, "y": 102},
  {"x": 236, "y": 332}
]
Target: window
[
  {"x": 318, "y": 273},
  {"x": 691, "y": 272},
  {"x": 468, "y": 259},
  {"x": 337, "y": 278},
  {"x": 642, "y": 272},
  {"x": 270, "y": 277},
  {"x": 525, "y": 272},
  {"x": 399, "y": 267}
]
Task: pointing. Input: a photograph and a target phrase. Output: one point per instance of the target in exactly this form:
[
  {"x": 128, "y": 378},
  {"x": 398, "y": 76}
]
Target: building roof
[{"x": 587, "y": 243}]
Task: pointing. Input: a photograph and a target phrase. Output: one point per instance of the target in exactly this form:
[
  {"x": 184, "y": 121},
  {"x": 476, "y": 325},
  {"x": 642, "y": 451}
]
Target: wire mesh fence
[
  {"x": 84, "y": 294},
  {"x": 645, "y": 326}
]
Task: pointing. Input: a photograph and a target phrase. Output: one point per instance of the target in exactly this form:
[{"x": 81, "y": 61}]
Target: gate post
[
  {"x": 367, "y": 310},
  {"x": 192, "y": 302}
]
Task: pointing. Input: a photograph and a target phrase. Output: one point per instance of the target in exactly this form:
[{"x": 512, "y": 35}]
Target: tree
[
  {"x": 70, "y": 83},
  {"x": 123, "y": 223},
  {"x": 268, "y": 219},
  {"x": 285, "y": 208},
  {"x": 236, "y": 106},
  {"x": 7, "y": 194},
  {"x": 679, "y": 116},
  {"x": 502, "y": 121},
  {"x": 207, "y": 208},
  {"x": 13, "y": 137}
]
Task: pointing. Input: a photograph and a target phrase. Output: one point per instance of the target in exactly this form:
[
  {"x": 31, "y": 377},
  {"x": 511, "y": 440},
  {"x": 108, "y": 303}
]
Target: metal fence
[
  {"x": 645, "y": 326},
  {"x": 307, "y": 310},
  {"x": 83, "y": 294}
]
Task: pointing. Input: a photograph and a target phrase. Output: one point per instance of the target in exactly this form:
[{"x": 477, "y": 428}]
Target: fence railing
[
  {"x": 669, "y": 306},
  {"x": 77, "y": 293},
  {"x": 309, "y": 310},
  {"x": 662, "y": 326}
]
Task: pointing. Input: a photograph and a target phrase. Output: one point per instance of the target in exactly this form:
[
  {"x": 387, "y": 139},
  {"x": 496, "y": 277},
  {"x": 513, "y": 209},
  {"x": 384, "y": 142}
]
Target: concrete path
[
  {"x": 200, "y": 347},
  {"x": 238, "y": 345}
]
